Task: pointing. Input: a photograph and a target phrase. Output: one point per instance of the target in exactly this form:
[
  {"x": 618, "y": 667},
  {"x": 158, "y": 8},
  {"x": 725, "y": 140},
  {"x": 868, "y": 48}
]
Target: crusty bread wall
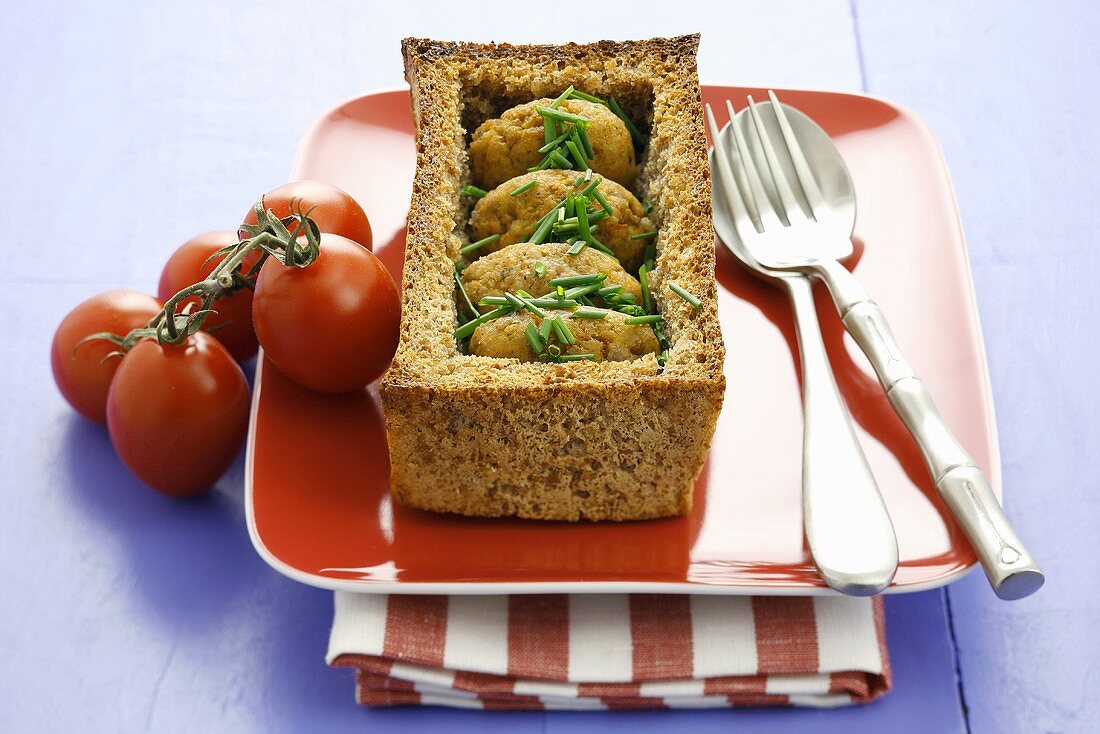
[{"x": 449, "y": 415}]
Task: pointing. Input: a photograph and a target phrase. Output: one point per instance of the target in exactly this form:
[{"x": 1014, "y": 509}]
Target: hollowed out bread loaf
[
  {"x": 617, "y": 440},
  {"x": 506, "y": 146},
  {"x": 513, "y": 269},
  {"x": 515, "y": 217}
]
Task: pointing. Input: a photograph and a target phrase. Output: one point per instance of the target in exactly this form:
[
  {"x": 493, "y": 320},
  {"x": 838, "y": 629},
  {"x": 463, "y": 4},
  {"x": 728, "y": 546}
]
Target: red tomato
[
  {"x": 80, "y": 372},
  {"x": 331, "y": 326},
  {"x": 234, "y": 313},
  {"x": 333, "y": 209},
  {"x": 178, "y": 414}
]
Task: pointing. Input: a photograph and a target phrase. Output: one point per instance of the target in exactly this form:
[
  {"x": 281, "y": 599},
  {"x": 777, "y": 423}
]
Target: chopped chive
[
  {"x": 586, "y": 144},
  {"x": 603, "y": 202},
  {"x": 533, "y": 338},
  {"x": 602, "y": 247},
  {"x": 587, "y": 190},
  {"x": 662, "y": 358},
  {"x": 562, "y": 115},
  {"x": 575, "y": 94},
  {"x": 580, "y": 179},
  {"x": 635, "y": 133},
  {"x": 560, "y": 160},
  {"x": 493, "y": 301},
  {"x": 562, "y": 97},
  {"x": 526, "y": 302},
  {"x": 644, "y": 235},
  {"x": 565, "y": 336},
  {"x": 549, "y": 129},
  {"x": 474, "y": 191},
  {"x": 546, "y": 328},
  {"x": 646, "y": 206},
  {"x": 583, "y": 290},
  {"x": 465, "y": 296},
  {"x": 651, "y": 255},
  {"x": 575, "y": 151},
  {"x": 464, "y": 331},
  {"x": 572, "y": 280},
  {"x": 542, "y": 231},
  {"x": 588, "y": 174},
  {"x": 647, "y": 297},
  {"x": 650, "y": 319},
  {"x": 695, "y": 302},
  {"x": 479, "y": 244},
  {"x": 586, "y": 313},
  {"x": 525, "y": 187},
  {"x": 609, "y": 291},
  {"x": 552, "y": 302},
  {"x": 559, "y": 291},
  {"x": 625, "y": 299},
  {"x": 598, "y": 215},
  {"x": 554, "y": 143},
  {"x": 540, "y": 268},
  {"x": 577, "y": 248},
  {"x": 542, "y": 166},
  {"x": 582, "y": 219},
  {"x": 515, "y": 300},
  {"x": 577, "y": 357}
]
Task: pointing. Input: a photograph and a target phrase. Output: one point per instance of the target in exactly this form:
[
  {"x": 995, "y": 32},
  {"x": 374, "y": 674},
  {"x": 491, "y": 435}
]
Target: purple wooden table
[{"x": 123, "y": 131}]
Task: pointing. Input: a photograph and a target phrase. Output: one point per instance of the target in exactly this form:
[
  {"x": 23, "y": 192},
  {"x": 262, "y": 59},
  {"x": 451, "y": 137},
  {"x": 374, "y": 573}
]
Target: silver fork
[
  {"x": 848, "y": 530},
  {"x": 805, "y": 216}
]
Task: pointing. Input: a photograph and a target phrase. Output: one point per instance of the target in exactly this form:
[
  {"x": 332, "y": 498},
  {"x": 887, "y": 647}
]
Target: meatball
[
  {"x": 610, "y": 339},
  {"x": 514, "y": 217},
  {"x": 505, "y": 147},
  {"x": 513, "y": 269}
]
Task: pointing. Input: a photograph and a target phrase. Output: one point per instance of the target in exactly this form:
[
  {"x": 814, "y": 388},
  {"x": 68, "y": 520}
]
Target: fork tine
[
  {"x": 764, "y": 209},
  {"x": 734, "y": 154},
  {"x": 801, "y": 166},
  {"x": 734, "y": 195},
  {"x": 792, "y": 209}
]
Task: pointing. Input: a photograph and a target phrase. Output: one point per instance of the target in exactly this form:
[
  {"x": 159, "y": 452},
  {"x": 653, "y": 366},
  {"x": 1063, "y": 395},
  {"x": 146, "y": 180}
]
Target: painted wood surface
[{"x": 126, "y": 128}]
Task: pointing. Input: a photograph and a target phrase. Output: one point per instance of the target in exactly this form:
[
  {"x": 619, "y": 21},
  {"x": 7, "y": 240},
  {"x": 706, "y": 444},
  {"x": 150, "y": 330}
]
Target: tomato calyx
[{"x": 295, "y": 241}]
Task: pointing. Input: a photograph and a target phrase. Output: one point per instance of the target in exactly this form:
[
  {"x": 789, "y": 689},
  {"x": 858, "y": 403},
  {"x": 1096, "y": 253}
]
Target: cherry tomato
[
  {"x": 81, "y": 374},
  {"x": 333, "y": 325},
  {"x": 331, "y": 208},
  {"x": 234, "y": 313},
  {"x": 178, "y": 414}
]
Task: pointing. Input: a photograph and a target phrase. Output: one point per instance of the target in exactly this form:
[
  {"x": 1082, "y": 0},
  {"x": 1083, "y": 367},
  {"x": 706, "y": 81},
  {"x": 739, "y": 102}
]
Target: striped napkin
[{"x": 610, "y": 651}]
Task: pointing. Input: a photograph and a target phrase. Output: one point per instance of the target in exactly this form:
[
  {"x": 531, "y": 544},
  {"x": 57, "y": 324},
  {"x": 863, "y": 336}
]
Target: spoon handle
[
  {"x": 1011, "y": 569},
  {"x": 848, "y": 529}
]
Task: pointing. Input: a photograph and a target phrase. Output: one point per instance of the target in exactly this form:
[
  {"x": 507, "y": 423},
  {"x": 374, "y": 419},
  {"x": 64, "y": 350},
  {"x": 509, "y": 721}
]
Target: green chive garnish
[
  {"x": 572, "y": 280},
  {"x": 525, "y": 187},
  {"x": 575, "y": 151},
  {"x": 589, "y": 313},
  {"x": 474, "y": 191},
  {"x": 577, "y": 248},
  {"x": 464, "y": 331},
  {"x": 543, "y": 230},
  {"x": 562, "y": 97},
  {"x": 603, "y": 202},
  {"x": 587, "y": 97},
  {"x": 479, "y": 244},
  {"x": 609, "y": 291},
  {"x": 586, "y": 144},
  {"x": 565, "y": 336},
  {"x": 540, "y": 268},
  {"x": 635, "y": 133},
  {"x": 651, "y": 319},
  {"x": 601, "y": 246},
  {"x": 576, "y": 357},
  {"x": 556, "y": 114},
  {"x": 647, "y": 297},
  {"x": 644, "y": 235},
  {"x": 587, "y": 190},
  {"x": 493, "y": 301},
  {"x": 583, "y": 290},
  {"x": 549, "y": 129},
  {"x": 695, "y": 302},
  {"x": 651, "y": 255},
  {"x": 545, "y": 329},
  {"x": 465, "y": 295},
  {"x": 533, "y": 338},
  {"x": 646, "y": 205},
  {"x": 560, "y": 160},
  {"x": 527, "y": 303},
  {"x": 582, "y": 218},
  {"x": 554, "y": 143}
]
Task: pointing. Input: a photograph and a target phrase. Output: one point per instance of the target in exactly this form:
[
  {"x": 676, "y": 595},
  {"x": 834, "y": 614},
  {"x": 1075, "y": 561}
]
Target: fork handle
[
  {"x": 1012, "y": 571},
  {"x": 848, "y": 530}
]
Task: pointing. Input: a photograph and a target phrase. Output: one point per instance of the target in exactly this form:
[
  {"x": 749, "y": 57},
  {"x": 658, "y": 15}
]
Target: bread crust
[{"x": 580, "y": 440}]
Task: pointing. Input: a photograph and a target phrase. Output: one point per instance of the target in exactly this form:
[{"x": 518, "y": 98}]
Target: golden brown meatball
[
  {"x": 610, "y": 339},
  {"x": 514, "y": 217},
  {"x": 513, "y": 269},
  {"x": 505, "y": 147}
]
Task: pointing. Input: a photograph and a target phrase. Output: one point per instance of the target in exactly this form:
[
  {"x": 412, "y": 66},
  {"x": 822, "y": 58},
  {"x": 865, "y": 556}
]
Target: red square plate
[{"x": 320, "y": 512}]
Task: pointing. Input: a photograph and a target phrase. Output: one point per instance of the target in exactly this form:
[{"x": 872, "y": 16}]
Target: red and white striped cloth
[{"x": 610, "y": 651}]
